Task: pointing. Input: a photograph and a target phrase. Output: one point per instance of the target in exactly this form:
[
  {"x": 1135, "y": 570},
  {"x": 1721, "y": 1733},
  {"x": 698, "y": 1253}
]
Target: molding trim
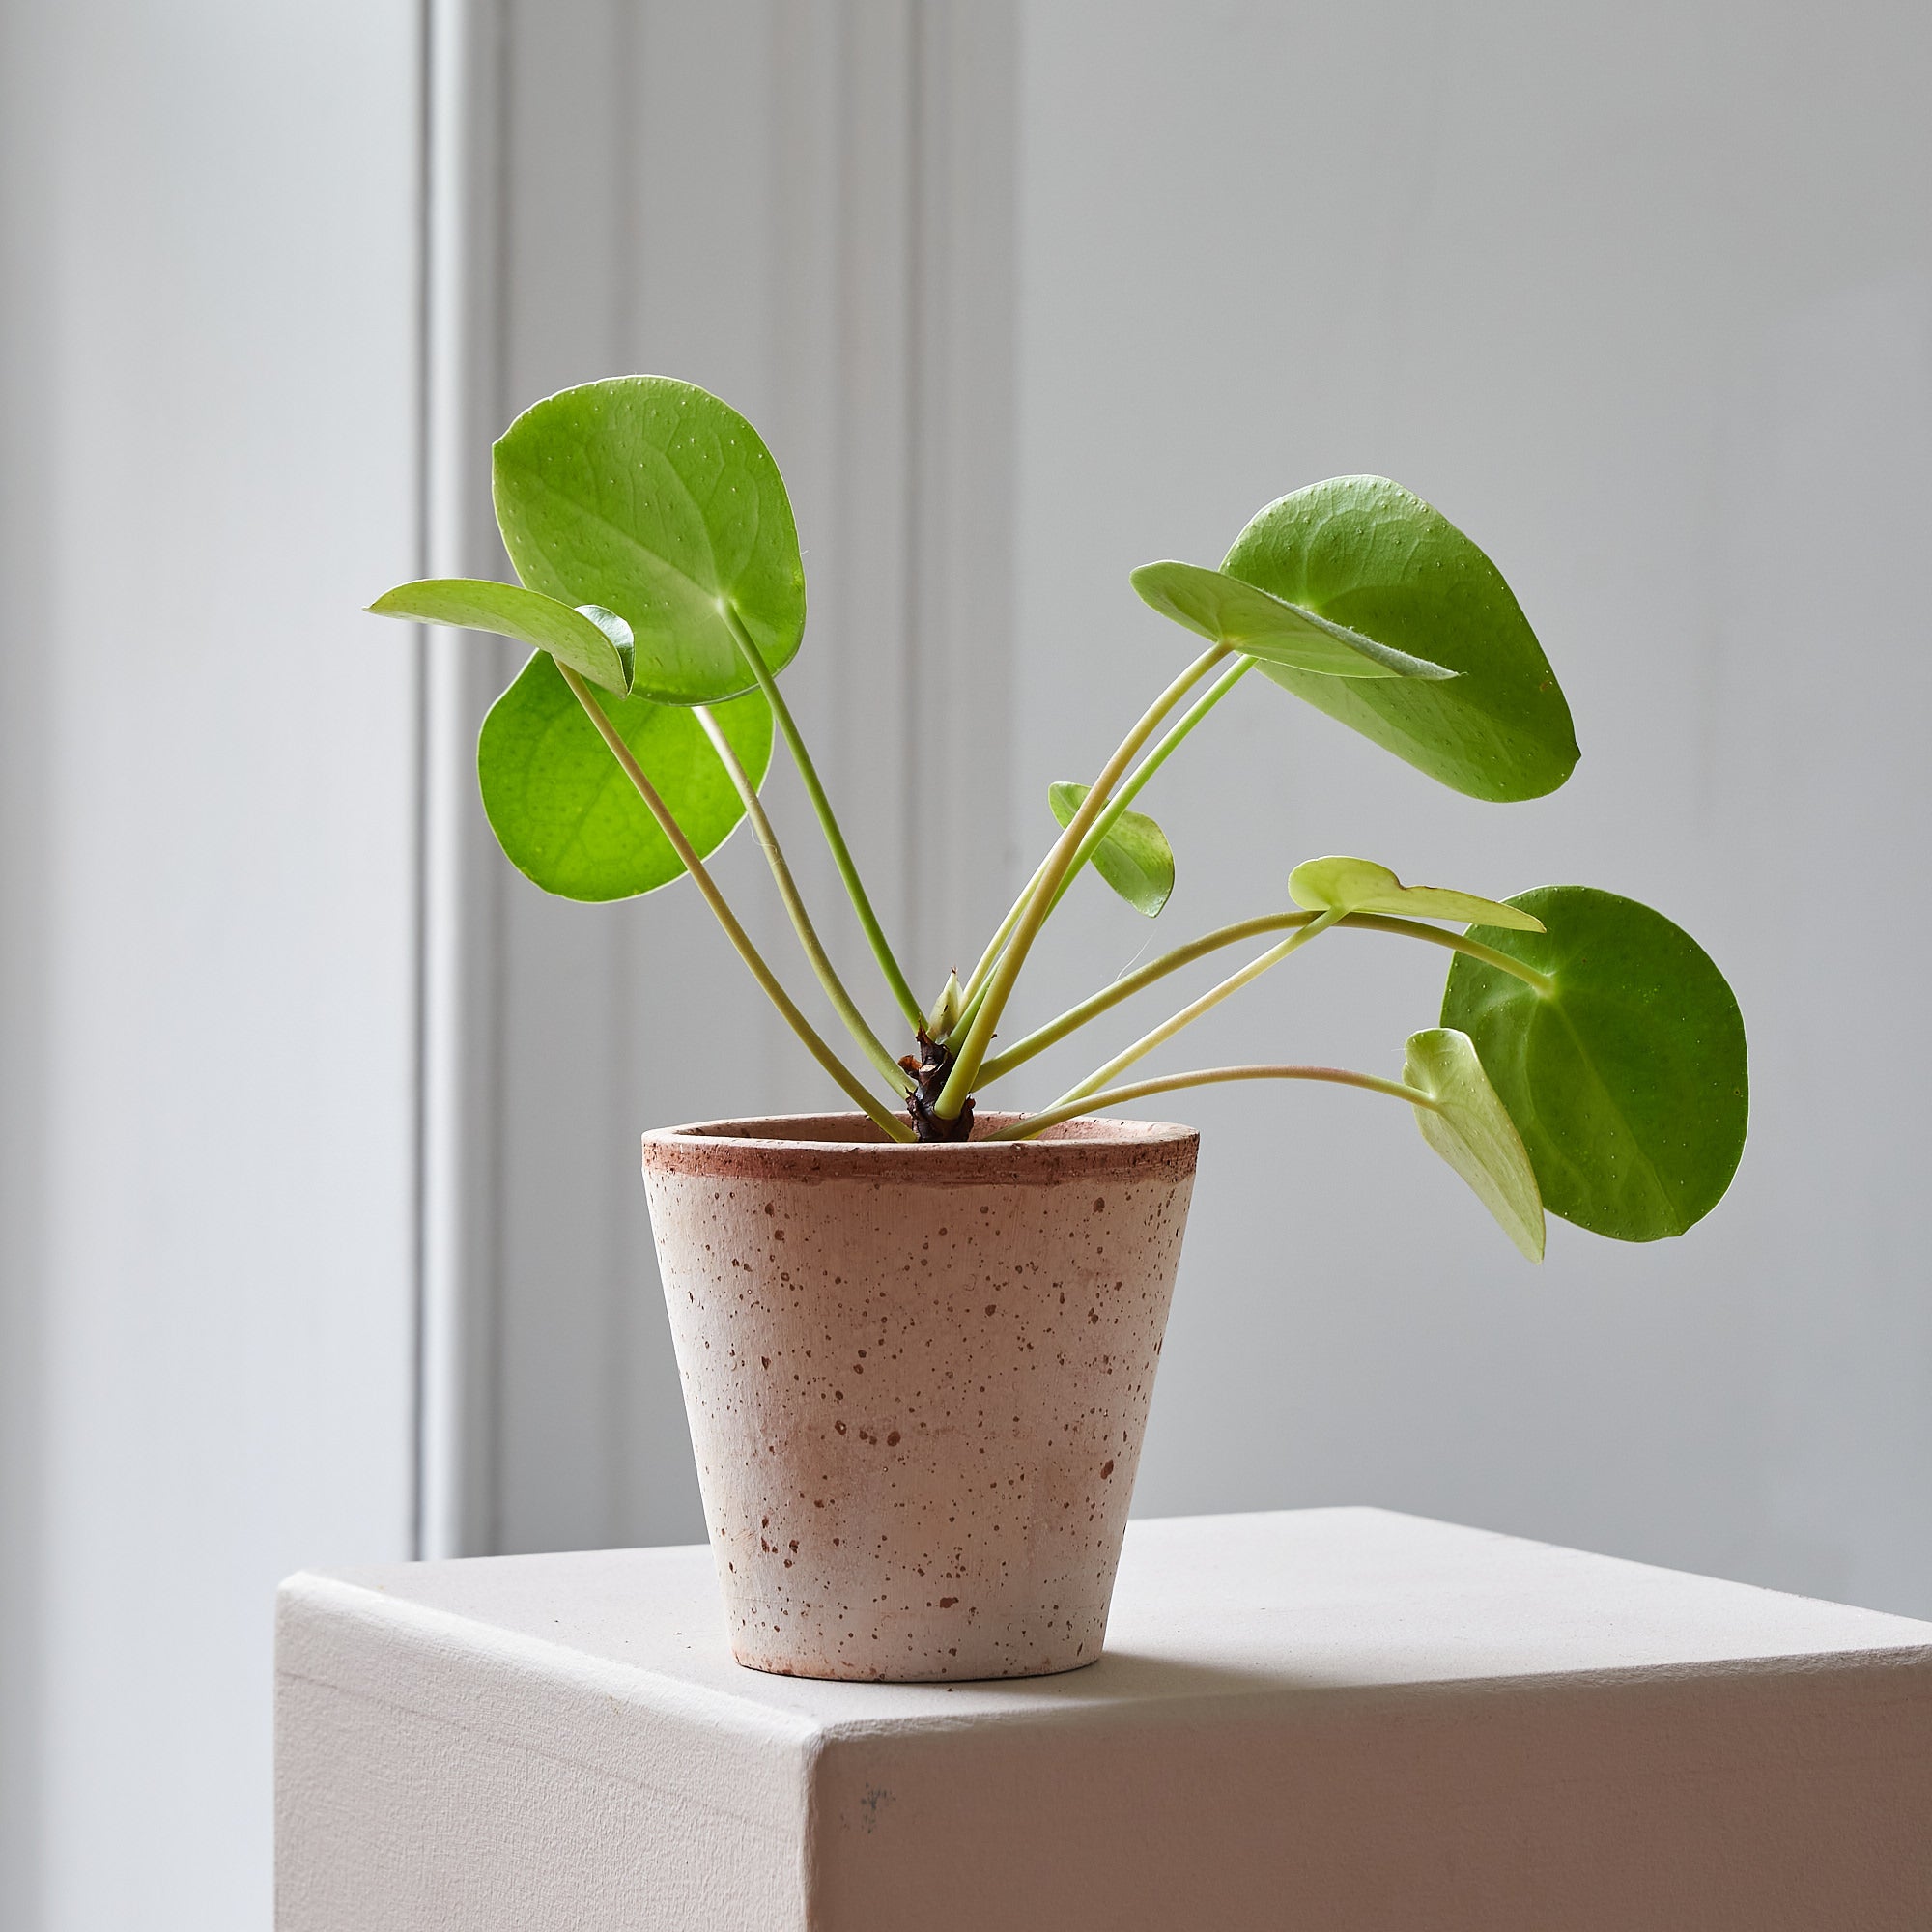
[
  {"x": 460, "y": 1019},
  {"x": 843, "y": 268}
]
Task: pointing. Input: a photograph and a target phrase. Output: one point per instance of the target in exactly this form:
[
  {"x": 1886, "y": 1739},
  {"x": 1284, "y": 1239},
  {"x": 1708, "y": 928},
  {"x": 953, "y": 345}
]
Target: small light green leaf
[
  {"x": 561, "y": 806},
  {"x": 1469, "y": 1128},
  {"x": 594, "y": 644},
  {"x": 655, "y": 501},
  {"x": 1362, "y": 552},
  {"x": 946, "y": 1009},
  {"x": 1228, "y": 611},
  {"x": 1134, "y": 858},
  {"x": 1360, "y": 885},
  {"x": 1629, "y": 1078}
]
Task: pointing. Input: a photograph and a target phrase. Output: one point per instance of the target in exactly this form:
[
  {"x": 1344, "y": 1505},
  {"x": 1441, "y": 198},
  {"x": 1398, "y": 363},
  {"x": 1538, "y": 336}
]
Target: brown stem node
[{"x": 930, "y": 1070}]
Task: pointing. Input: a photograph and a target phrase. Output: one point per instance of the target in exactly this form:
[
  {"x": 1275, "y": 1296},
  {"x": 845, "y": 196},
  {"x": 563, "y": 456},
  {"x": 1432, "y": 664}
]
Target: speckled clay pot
[{"x": 917, "y": 1379}]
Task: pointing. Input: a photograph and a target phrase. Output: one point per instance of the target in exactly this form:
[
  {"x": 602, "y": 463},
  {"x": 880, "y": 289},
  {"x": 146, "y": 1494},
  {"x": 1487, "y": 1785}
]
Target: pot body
[{"x": 917, "y": 1379}]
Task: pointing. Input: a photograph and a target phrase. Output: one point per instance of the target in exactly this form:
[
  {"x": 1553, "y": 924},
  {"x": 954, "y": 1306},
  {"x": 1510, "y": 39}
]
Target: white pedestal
[{"x": 1322, "y": 1718}]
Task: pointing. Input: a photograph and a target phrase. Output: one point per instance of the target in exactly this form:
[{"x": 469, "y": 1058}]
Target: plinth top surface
[{"x": 1282, "y": 1604}]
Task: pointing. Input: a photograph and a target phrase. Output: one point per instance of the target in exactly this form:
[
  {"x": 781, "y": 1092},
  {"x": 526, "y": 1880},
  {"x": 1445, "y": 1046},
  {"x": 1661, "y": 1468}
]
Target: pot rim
[{"x": 848, "y": 1143}]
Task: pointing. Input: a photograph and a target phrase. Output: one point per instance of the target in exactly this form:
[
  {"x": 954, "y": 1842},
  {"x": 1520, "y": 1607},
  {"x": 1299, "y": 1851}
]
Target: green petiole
[
  {"x": 1192, "y": 1012},
  {"x": 979, "y": 1036},
  {"x": 1129, "y": 983},
  {"x": 828, "y": 822},
  {"x": 1149, "y": 765},
  {"x": 1142, "y": 976},
  {"x": 850, "y": 1082},
  {"x": 1130, "y": 790},
  {"x": 1455, "y": 942},
  {"x": 856, "y": 1024},
  {"x": 1207, "y": 1076}
]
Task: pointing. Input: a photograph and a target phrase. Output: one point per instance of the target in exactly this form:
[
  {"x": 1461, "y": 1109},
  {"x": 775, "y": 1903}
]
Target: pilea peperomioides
[{"x": 1590, "y": 1058}]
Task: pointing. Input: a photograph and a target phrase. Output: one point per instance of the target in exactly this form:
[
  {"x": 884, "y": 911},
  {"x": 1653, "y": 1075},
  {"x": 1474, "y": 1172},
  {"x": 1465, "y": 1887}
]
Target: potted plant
[{"x": 917, "y": 1339}]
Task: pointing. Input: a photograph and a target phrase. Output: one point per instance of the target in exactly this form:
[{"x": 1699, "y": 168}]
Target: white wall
[
  {"x": 208, "y": 759},
  {"x": 1641, "y": 298}
]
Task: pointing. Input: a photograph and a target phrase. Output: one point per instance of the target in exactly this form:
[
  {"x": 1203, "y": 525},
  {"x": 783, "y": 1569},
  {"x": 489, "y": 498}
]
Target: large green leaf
[
  {"x": 1228, "y": 611},
  {"x": 1628, "y": 1076},
  {"x": 562, "y": 806},
  {"x": 1469, "y": 1128},
  {"x": 1362, "y": 552},
  {"x": 596, "y": 645},
  {"x": 1134, "y": 858},
  {"x": 1359, "y": 885},
  {"x": 658, "y": 501}
]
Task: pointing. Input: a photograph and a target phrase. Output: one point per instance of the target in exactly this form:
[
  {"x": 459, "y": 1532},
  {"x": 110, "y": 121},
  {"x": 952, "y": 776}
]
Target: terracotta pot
[{"x": 917, "y": 1379}]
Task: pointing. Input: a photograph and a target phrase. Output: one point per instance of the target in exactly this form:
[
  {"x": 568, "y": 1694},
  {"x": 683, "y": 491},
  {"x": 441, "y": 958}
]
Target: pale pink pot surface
[{"x": 917, "y": 1379}]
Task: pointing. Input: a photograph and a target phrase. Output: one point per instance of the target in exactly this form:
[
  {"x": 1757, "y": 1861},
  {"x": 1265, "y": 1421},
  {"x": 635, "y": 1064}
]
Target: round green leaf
[
  {"x": 654, "y": 499},
  {"x": 1628, "y": 1077},
  {"x": 1230, "y": 612},
  {"x": 1363, "y": 553},
  {"x": 1360, "y": 885},
  {"x": 594, "y": 644},
  {"x": 561, "y": 806},
  {"x": 1134, "y": 858},
  {"x": 1469, "y": 1128}
]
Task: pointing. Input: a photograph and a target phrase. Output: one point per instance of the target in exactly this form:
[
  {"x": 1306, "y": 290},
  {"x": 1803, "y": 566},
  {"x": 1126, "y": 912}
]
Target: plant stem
[
  {"x": 1455, "y": 942},
  {"x": 873, "y": 1048},
  {"x": 977, "y": 980},
  {"x": 976, "y": 986},
  {"x": 828, "y": 823},
  {"x": 893, "y": 1128},
  {"x": 1131, "y": 983},
  {"x": 973, "y": 1049},
  {"x": 1149, "y": 765},
  {"x": 1191, "y": 1013},
  {"x": 1206, "y": 1077}
]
